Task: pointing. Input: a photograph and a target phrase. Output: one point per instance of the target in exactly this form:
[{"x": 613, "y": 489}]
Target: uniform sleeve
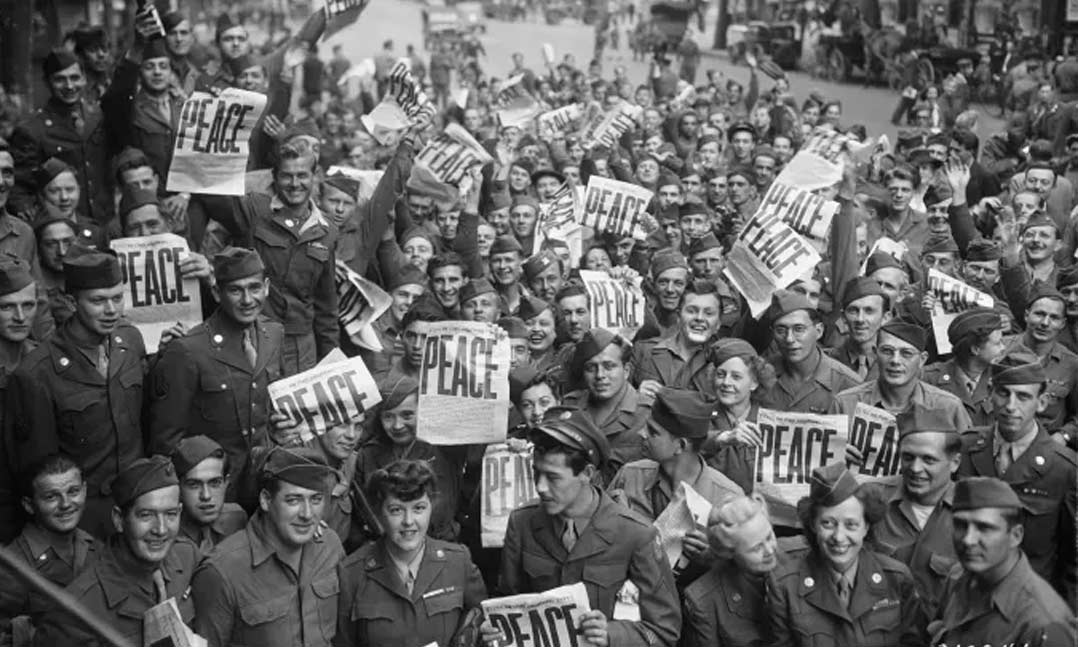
[
  {"x": 173, "y": 384},
  {"x": 779, "y": 608},
  {"x": 475, "y": 590},
  {"x": 58, "y": 628},
  {"x": 347, "y": 636},
  {"x": 660, "y": 611},
  {"x": 700, "y": 628},
  {"x": 215, "y": 606},
  {"x": 914, "y": 614},
  {"x": 1068, "y": 568},
  {"x": 510, "y": 578}
]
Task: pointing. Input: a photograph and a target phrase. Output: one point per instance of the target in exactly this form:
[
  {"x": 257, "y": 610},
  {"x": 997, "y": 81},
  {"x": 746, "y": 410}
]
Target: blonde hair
[{"x": 728, "y": 518}]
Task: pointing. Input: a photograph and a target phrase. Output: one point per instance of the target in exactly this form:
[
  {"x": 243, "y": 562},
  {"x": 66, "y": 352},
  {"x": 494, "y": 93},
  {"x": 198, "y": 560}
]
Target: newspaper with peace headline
[
  {"x": 953, "y": 297},
  {"x": 616, "y": 304},
  {"x": 615, "y": 207},
  {"x": 337, "y": 391},
  {"x": 514, "y": 105},
  {"x": 874, "y": 432},
  {"x": 360, "y": 302},
  {"x": 156, "y": 296},
  {"x": 213, "y": 142},
  {"x": 553, "y": 614},
  {"x": 463, "y": 383},
  {"x": 404, "y": 104},
  {"x": 686, "y": 511},
  {"x": 793, "y": 445},
  {"x": 560, "y": 120},
  {"x": 506, "y": 485}
]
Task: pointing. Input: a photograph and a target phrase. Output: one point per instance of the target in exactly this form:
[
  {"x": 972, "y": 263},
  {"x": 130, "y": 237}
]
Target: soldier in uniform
[
  {"x": 296, "y": 243},
  {"x": 405, "y": 579},
  {"x": 601, "y": 364},
  {"x": 18, "y": 312},
  {"x": 726, "y": 606},
  {"x": 16, "y": 236},
  {"x": 996, "y": 598},
  {"x": 976, "y": 337},
  {"x": 669, "y": 276},
  {"x": 916, "y": 524},
  {"x": 80, "y": 391},
  {"x": 841, "y": 592},
  {"x": 577, "y": 533},
  {"x": 203, "y": 471},
  {"x": 1045, "y": 318},
  {"x": 142, "y": 565},
  {"x": 67, "y": 127},
  {"x": 901, "y": 354},
  {"x": 680, "y": 360},
  {"x": 53, "y": 495},
  {"x": 865, "y": 307},
  {"x": 275, "y": 583},
  {"x": 1018, "y": 450},
  {"x": 214, "y": 380},
  {"x": 806, "y": 379}
]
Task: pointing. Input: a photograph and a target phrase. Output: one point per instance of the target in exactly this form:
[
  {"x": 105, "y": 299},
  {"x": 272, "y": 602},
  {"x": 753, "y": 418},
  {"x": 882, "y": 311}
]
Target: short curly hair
[
  {"x": 871, "y": 504},
  {"x": 406, "y": 480}
]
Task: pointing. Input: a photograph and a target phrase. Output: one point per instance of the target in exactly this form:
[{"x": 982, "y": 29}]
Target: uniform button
[
  {"x": 876, "y": 578},
  {"x": 1039, "y": 460},
  {"x": 809, "y": 582},
  {"x": 224, "y": 386},
  {"x": 254, "y": 385}
]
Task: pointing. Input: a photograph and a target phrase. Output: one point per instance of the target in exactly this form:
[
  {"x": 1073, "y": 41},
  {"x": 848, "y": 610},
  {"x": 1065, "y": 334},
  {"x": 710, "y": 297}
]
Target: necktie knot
[
  {"x": 249, "y": 348},
  {"x": 844, "y": 589},
  {"x": 568, "y": 536}
]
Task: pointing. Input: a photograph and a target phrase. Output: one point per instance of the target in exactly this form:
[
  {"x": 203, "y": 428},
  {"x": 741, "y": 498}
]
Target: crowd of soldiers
[{"x": 130, "y": 478}]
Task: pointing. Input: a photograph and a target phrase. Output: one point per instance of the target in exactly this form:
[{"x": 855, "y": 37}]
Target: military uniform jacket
[
  {"x": 50, "y": 132},
  {"x": 616, "y": 545},
  {"x": 660, "y": 360},
  {"x": 622, "y": 429},
  {"x": 641, "y": 487},
  {"x": 843, "y": 354},
  {"x": 231, "y": 520},
  {"x": 246, "y": 596},
  {"x": 726, "y": 606},
  {"x": 58, "y": 401},
  {"x": 1061, "y": 394},
  {"x": 1023, "y": 610},
  {"x": 1044, "y": 478},
  {"x": 816, "y": 394},
  {"x": 34, "y": 548},
  {"x": 929, "y": 551},
  {"x": 948, "y": 377},
  {"x": 204, "y": 384},
  {"x": 301, "y": 267},
  {"x": 376, "y": 610},
  {"x": 119, "y": 590},
  {"x": 133, "y": 119},
  {"x": 884, "y": 609}
]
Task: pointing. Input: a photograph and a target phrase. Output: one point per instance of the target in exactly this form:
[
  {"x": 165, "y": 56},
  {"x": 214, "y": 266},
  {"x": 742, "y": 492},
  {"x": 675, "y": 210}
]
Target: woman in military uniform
[
  {"x": 841, "y": 593},
  {"x": 726, "y": 605},
  {"x": 406, "y": 589}
]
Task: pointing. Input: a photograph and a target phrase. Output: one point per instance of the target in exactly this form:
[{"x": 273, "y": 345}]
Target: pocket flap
[
  {"x": 604, "y": 575},
  {"x": 212, "y": 382},
  {"x": 318, "y": 253},
  {"x": 444, "y": 602},
  {"x": 941, "y": 564},
  {"x": 268, "y": 237},
  {"x": 326, "y": 587},
  {"x": 365, "y": 610},
  {"x": 265, "y": 611}
]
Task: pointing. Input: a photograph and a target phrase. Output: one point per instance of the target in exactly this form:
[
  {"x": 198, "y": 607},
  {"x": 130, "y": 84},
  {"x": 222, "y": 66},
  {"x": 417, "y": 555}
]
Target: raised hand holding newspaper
[
  {"x": 686, "y": 511},
  {"x": 332, "y": 393},
  {"x": 952, "y": 297}
]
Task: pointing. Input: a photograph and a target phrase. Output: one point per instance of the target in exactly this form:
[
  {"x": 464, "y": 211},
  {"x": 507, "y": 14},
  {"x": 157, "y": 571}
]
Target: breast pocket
[
  {"x": 326, "y": 591},
  {"x": 542, "y": 571},
  {"x": 603, "y": 581},
  {"x": 216, "y": 400},
  {"x": 266, "y": 622},
  {"x": 77, "y": 416},
  {"x": 882, "y": 626},
  {"x": 1042, "y": 517},
  {"x": 306, "y": 265},
  {"x": 376, "y": 621}
]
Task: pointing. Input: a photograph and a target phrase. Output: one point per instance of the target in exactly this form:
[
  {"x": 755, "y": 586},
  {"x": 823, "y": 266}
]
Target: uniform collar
[
  {"x": 1018, "y": 447},
  {"x": 1010, "y": 594},
  {"x": 41, "y": 541},
  {"x": 315, "y": 217}
]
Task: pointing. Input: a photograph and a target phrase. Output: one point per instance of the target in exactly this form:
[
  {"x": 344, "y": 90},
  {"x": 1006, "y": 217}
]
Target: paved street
[{"x": 401, "y": 21}]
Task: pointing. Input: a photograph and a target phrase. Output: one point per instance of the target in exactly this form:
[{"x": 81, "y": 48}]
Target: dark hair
[
  {"x": 421, "y": 314},
  {"x": 572, "y": 289},
  {"x": 543, "y": 377},
  {"x": 444, "y": 259},
  {"x": 49, "y": 465},
  {"x": 901, "y": 172},
  {"x": 406, "y": 480},
  {"x": 132, "y": 164},
  {"x": 964, "y": 346},
  {"x": 871, "y": 502},
  {"x": 576, "y": 459},
  {"x": 699, "y": 287},
  {"x": 967, "y": 140}
]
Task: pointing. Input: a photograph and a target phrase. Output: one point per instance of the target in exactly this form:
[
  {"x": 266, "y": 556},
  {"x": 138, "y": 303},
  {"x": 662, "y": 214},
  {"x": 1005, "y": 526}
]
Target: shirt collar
[
  {"x": 315, "y": 217},
  {"x": 403, "y": 568},
  {"x": 1017, "y": 448},
  {"x": 40, "y": 542}
]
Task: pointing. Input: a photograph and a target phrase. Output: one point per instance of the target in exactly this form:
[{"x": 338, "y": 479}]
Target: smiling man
[
  {"x": 1018, "y": 450},
  {"x": 997, "y": 599},
  {"x": 916, "y": 526},
  {"x": 900, "y": 356},
  {"x": 274, "y": 584},
  {"x": 143, "y": 564},
  {"x": 865, "y": 307},
  {"x": 214, "y": 381},
  {"x": 80, "y": 391}
]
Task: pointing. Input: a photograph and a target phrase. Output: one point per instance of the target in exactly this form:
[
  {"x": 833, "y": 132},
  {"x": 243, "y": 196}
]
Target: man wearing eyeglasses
[{"x": 900, "y": 356}]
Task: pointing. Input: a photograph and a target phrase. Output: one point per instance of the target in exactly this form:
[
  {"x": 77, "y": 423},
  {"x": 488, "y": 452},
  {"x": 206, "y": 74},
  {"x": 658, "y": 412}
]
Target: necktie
[
  {"x": 102, "y": 361},
  {"x": 844, "y": 588},
  {"x": 249, "y": 348},
  {"x": 568, "y": 536},
  {"x": 862, "y": 367},
  {"x": 80, "y": 123},
  {"x": 1003, "y": 459},
  {"x": 409, "y": 581},
  {"x": 159, "y": 585}
]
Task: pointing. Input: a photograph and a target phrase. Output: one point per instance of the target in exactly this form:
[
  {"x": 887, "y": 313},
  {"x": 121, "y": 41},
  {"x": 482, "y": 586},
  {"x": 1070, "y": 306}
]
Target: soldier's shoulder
[
  {"x": 891, "y": 565},
  {"x": 704, "y": 586},
  {"x": 183, "y": 557},
  {"x": 941, "y": 395},
  {"x": 788, "y": 571},
  {"x": 838, "y": 368},
  {"x": 231, "y": 553},
  {"x": 233, "y": 518},
  {"x": 1063, "y": 453},
  {"x": 630, "y": 518},
  {"x": 274, "y": 329},
  {"x": 128, "y": 333},
  {"x": 933, "y": 373}
]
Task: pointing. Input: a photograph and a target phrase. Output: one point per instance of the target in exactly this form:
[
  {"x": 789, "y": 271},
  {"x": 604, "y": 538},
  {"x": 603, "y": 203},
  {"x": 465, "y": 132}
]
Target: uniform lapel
[
  {"x": 981, "y": 455},
  {"x": 430, "y": 568},
  {"x": 227, "y": 344},
  {"x": 1032, "y": 464},
  {"x": 600, "y": 532},
  {"x": 266, "y": 349},
  {"x": 869, "y": 587},
  {"x": 68, "y": 362},
  {"x": 818, "y": 590},
  {"x": 542, "y": 529}
]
